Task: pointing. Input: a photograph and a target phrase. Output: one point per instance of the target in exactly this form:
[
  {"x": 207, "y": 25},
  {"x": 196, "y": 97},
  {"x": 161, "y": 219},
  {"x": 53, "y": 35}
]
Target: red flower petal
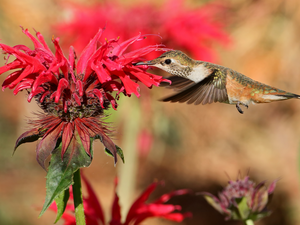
[
  {"x": 119, "y": 49},
  {"x": 99, "y": 95},
  {"x": 25, "y": 84},
  {"x": 116, "y": 209},
  {"x": 130, "y": 86},
  {"x": 141, "y": 200},
  {"x": 44, "y": 78},
  {"x": 10, "y": 66},
  {"x": 88, "y": 52},
  {"x": 83, "y": 134},
  {"x": 166, "y": 197},
  {"x": 93, "y": 126},
  {"x": 26, "y": 72},
  {"x": 33, "y": 65},
  {"x": 72, "y": 57},
  {"x": 77, "y": 99},
  {"x": 102, "y": 74},
  {"x": 63, "y": 84},
  {"x": 63, "y": 63},
  {"x": 33, "y": 39},
  {"x": 37, "y": 91},
  {"x": 272, "y": 187},
  {"x": 92, "y": 202},
  {"x": 67, "y": 135},
  {"x": 112, "y": 101},
  {"x": 41, "y": 39}
]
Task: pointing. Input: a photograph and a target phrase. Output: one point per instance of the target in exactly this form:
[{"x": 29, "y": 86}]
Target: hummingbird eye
[{"x": 168, "y": 61}]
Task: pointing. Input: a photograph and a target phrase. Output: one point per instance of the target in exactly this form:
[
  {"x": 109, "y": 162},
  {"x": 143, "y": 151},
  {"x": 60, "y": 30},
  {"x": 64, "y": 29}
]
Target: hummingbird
[{"x": 203, "y": 82}]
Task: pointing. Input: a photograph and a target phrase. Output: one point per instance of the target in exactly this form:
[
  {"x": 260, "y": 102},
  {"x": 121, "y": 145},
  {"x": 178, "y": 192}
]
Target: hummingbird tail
[
  {"x": 288, "y": 96},
  {"x": 271, "y": 97}
]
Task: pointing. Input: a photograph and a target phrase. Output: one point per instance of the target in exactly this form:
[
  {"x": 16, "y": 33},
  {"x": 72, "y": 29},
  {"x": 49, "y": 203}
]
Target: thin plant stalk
[{"x": 78, "y": 202}]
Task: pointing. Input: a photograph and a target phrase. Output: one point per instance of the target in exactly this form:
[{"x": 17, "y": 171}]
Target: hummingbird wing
[
  {"x": 209, "y": 90},
  {"x": 178, "y": 83}
]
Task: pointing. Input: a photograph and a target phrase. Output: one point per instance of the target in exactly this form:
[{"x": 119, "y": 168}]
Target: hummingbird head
[{"x": 174, "y": 62}]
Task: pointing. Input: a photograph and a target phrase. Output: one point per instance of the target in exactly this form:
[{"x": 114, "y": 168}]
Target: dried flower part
[
  {"x": 139, "y": 211},
  {"x": 242, "y": 199},
  {"x": 74, "y": 94}
]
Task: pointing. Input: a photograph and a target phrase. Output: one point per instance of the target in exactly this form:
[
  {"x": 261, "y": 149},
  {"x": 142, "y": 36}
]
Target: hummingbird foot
[{"x": 239, "y": 108}]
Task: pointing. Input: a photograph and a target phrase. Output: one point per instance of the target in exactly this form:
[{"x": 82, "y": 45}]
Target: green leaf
[
  {"x": 243, "y": 209},
  {"x": 108, "y": 152},
  {"x": 119, "y": 152},
  {"x": 60, "y": 172},
  {"x": 61, "y": 202}
]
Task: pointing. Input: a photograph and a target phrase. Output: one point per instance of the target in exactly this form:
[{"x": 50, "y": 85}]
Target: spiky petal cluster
[
  {"x": 74, "y": 94},
  {"x": 138, "y": 212},
  {"x": 242, "y": 199}
]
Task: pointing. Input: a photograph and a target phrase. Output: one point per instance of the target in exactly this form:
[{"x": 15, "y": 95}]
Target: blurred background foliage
[{"x": 187, "y": 146}]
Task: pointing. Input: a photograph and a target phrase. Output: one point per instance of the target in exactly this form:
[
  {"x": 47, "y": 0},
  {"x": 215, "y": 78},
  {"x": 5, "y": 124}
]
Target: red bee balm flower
[
  {"x": 194, "y": 29},
  {"x": 139, "y": 211},
  {"x": 74, "y": 95}
]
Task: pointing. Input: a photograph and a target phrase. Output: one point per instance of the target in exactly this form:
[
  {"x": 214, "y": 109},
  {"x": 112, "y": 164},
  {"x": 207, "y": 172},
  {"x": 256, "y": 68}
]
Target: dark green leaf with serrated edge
[
  {"x": 60, "y": 172},
  {"x": 119, "y": 152},
  {"x": 61, "y": 202},
  {"x": 28, "y": 136}
]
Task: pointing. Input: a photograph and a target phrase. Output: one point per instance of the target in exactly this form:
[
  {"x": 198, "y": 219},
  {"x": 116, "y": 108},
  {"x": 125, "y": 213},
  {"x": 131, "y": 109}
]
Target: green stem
[
  {"x": 78, "y": 202},
  {"x": 249, "y": 222}
]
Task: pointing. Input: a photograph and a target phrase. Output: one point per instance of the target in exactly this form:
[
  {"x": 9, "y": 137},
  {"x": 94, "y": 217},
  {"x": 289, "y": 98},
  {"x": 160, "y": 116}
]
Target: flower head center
[{"x": 75, "y": 100}]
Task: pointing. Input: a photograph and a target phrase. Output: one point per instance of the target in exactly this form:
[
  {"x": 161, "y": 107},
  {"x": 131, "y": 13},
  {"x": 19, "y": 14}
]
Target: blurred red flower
[
  {"x": 138, "y": 212},
  {"x": 74, "y": 95},
  {"x": 195, "y": 30}
]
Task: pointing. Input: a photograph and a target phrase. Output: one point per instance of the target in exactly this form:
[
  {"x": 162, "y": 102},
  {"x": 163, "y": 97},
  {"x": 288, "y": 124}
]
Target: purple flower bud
[{"x": 242, "y": 200}]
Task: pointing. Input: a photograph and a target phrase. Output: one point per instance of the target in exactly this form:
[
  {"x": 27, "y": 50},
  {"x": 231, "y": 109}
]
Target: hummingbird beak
[{"x": 148, "y": 63}]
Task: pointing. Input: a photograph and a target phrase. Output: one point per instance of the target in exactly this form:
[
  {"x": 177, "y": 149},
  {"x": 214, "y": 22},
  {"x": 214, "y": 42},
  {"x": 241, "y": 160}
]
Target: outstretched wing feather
[
  {"x": 205, "y": 92},
  {"x": 178, "y": 83}
]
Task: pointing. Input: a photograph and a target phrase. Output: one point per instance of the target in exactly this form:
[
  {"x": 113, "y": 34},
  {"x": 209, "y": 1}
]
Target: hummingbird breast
[{"x": 199, "y": 73}]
